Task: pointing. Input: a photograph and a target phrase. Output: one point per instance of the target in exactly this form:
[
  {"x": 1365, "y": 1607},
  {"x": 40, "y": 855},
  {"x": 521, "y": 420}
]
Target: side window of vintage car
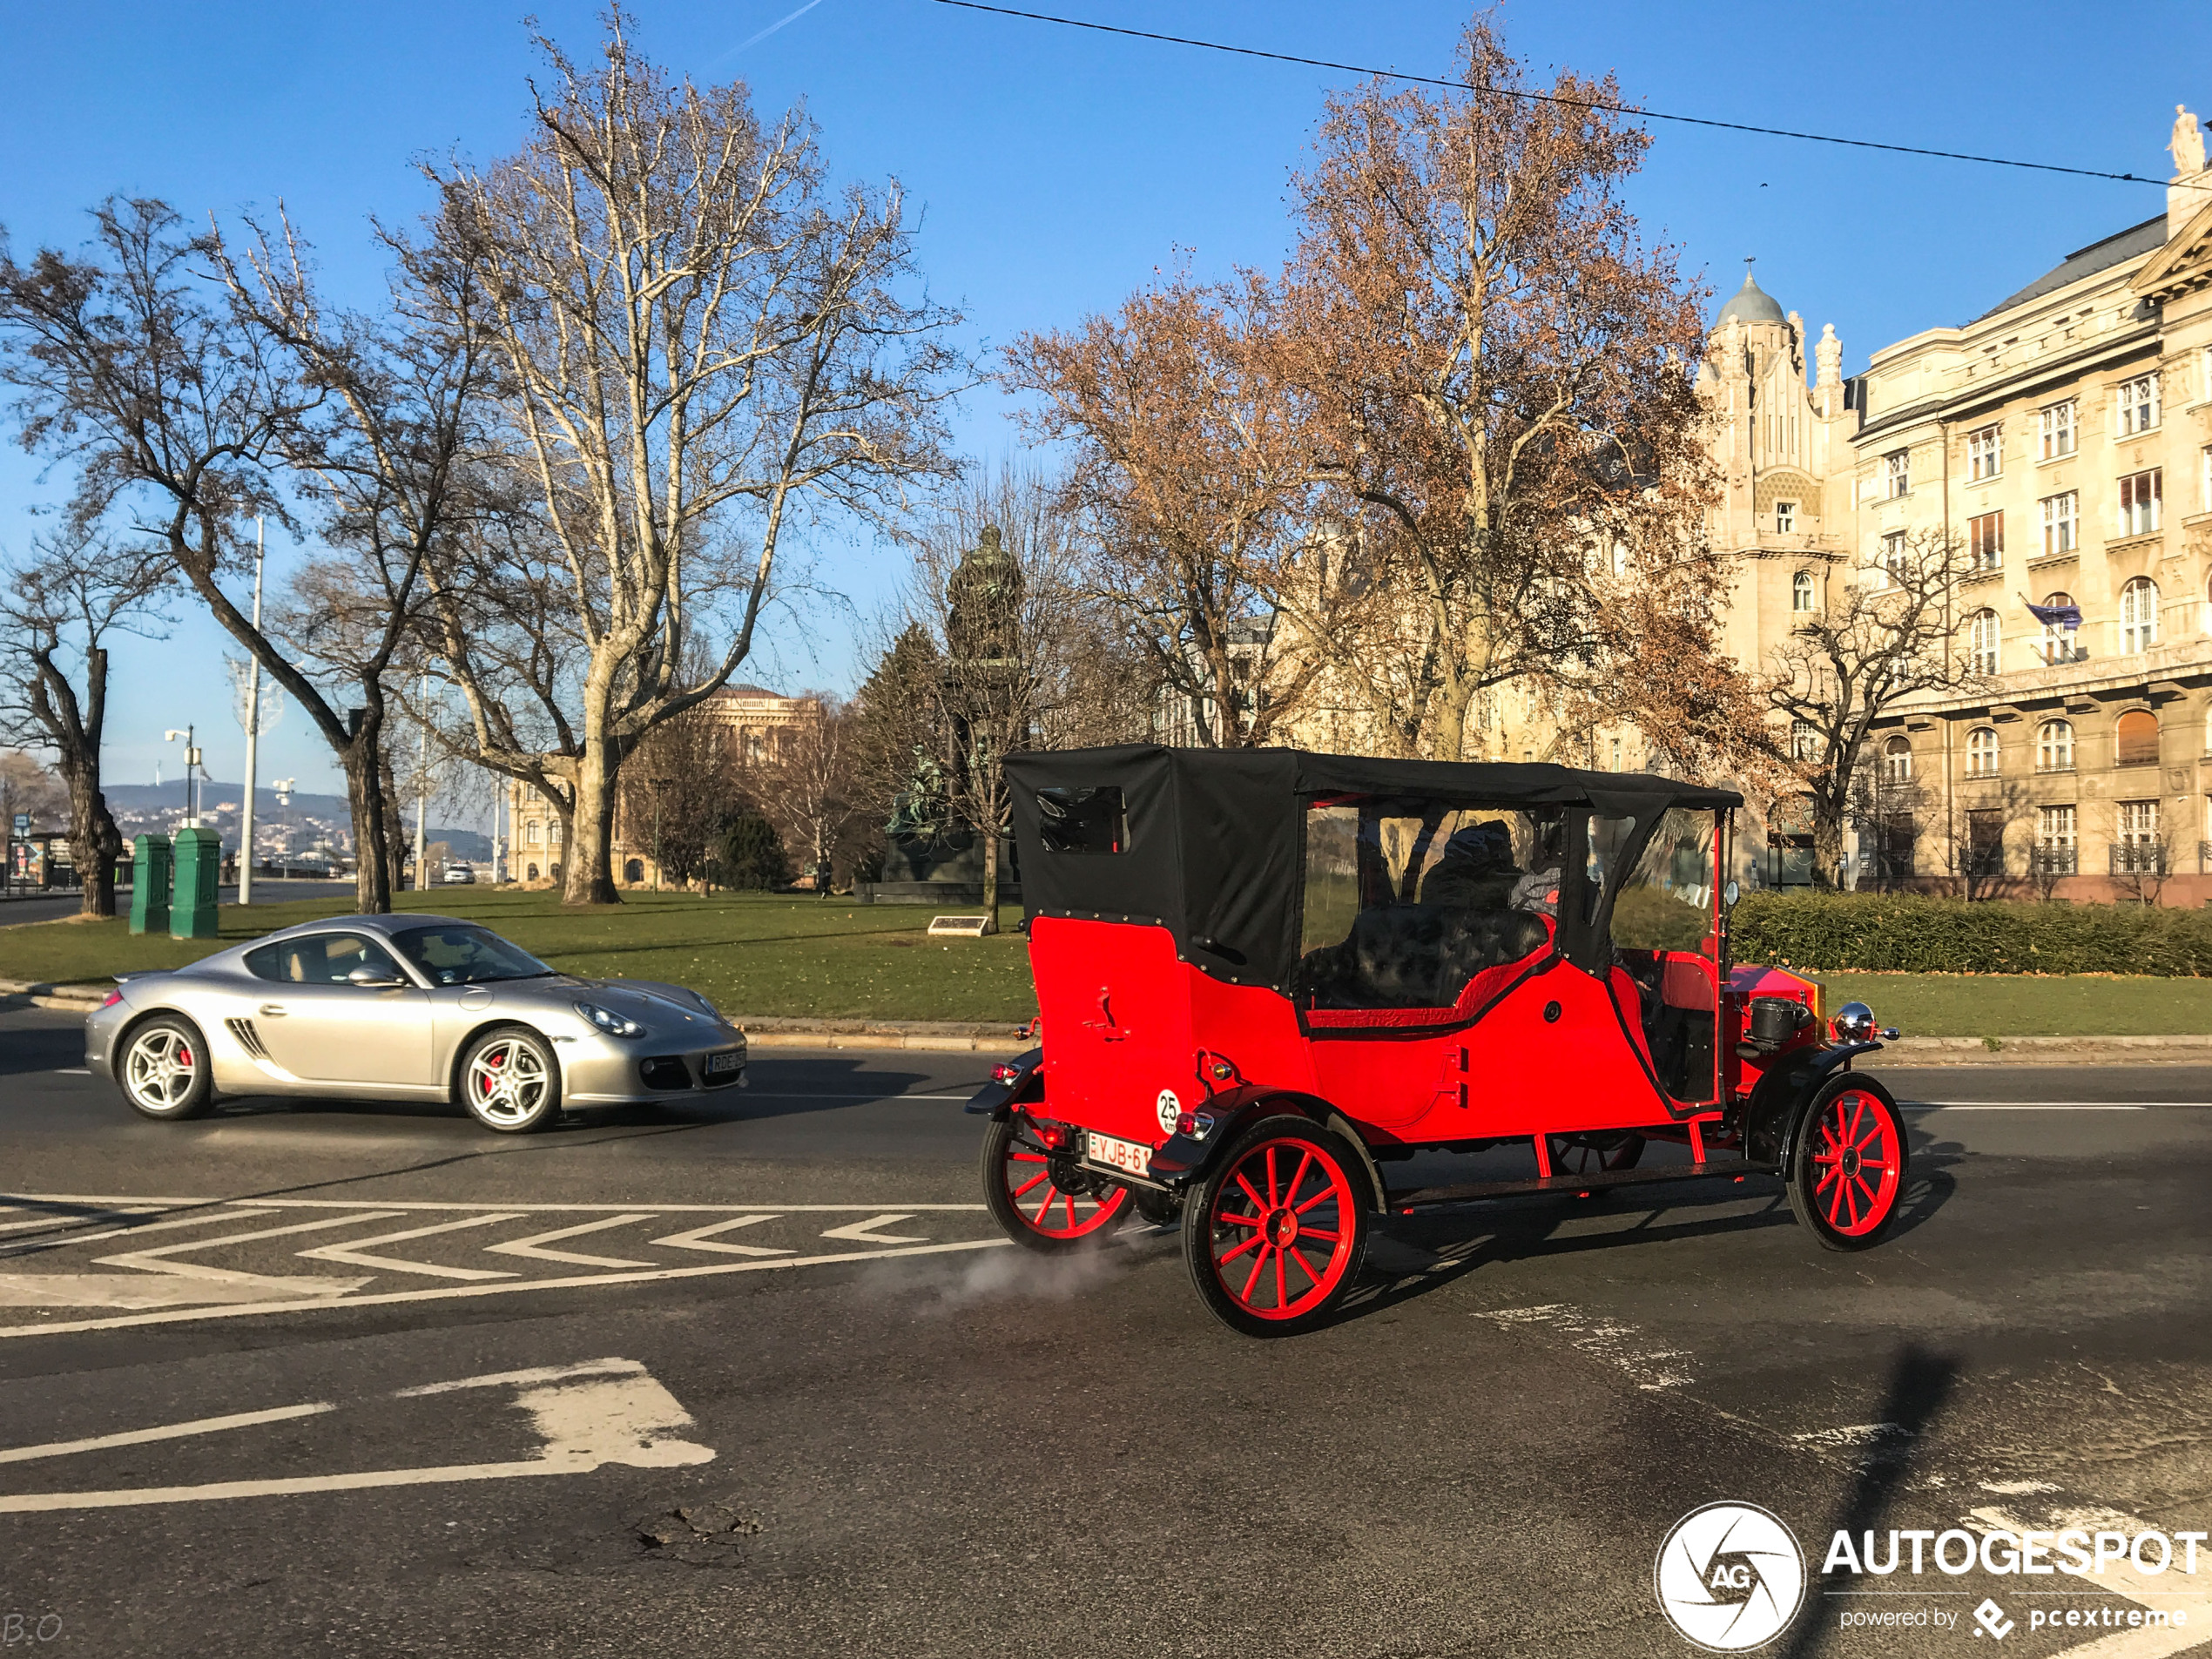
[
  {"x": 1665, "y": 902},
  {"x": 320, "y": 959},
  {"x": 1082, "y": 820},
  {"x": 1418, "y": 907}
]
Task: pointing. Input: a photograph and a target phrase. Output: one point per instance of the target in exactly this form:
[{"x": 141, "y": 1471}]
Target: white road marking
[
  {"x": 167, "y": 1431},
  {"x": 2035, "y": 1105},
  {"x": 611, "y": 1367},
  {"x": 865, "y": 1230},
  {"x": 354, "y": 1254},
  {"x": 125, "y": 1290},
  {"x": 531, "y": 1246},
  {"x": 580, "y": 1281},
  {"x": 1616, "y": 1342},
  {"x": 698, "y": 1236},
  {"x": 2122, "y": 1578},
  {"x": 155, "y": 1204},
  {"x": 587, "y": 1416},
  {"x": 202, "y": 1220},
  {"x": 55, "y": 1221},
  {"x": 156, "y": 1261}
]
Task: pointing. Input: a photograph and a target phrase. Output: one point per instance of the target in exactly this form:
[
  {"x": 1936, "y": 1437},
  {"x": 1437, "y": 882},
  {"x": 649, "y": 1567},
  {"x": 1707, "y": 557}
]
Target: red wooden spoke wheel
[
  {"x": 1847, "y": 1169},
  {"x": 1040, "y": 1195},
  {"x": 1275, "y": 1233}
]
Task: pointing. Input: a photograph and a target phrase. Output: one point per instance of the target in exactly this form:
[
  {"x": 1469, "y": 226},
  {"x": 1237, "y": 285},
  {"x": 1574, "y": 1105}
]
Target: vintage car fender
[
  {"x": 1185, "y": 1158},
  {"x": 997, "y": 1099},
  {"x": 1784, "y": 1098}
]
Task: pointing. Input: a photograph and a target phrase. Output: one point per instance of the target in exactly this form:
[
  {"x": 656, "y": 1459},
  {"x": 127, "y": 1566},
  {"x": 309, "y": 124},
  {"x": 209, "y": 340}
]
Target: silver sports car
[{"x": 405, "y": 1008}]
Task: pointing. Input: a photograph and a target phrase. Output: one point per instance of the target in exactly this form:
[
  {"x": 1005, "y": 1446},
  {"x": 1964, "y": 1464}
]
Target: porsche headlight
[{"x": 607, "y": 1019}]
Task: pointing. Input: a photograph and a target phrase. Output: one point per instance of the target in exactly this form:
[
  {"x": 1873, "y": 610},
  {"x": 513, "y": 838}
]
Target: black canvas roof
[{"x": 1214, "y": 845}]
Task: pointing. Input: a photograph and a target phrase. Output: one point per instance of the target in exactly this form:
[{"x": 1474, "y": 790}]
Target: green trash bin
[
  {"x": 149, "y": 884},
  {"x": 199, "y": 868}
]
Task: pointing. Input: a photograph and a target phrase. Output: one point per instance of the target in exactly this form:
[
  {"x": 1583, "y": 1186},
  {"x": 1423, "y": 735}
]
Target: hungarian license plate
[
  {"x": 724, "y": 1064},
  {"x": 1132, "y": 1156}
]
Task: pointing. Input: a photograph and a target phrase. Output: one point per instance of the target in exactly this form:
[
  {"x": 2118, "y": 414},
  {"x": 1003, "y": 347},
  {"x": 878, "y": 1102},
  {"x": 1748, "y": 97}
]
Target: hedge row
[{"x": 1903, "y": 932}]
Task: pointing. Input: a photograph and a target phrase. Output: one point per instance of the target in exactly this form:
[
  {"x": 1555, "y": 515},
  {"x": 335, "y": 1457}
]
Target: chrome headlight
[
  {"x": 607, "y": 1019},
  {"x": 1854, "y": 1022}
]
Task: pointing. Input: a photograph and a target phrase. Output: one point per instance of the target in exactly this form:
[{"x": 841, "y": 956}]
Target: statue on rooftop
[{"x": 2188, "y": 144}]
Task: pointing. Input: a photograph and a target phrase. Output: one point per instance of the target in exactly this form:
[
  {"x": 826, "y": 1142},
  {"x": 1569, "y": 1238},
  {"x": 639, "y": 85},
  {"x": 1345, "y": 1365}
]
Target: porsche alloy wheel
[
  {"x": 1039, "y": 1195},
  {"x": 165, "y": 1072},
  {"x": 1847, "y": 1169},
  {"x": 509, "y": 1081},
  {"x": 1275, "y": 1233}
]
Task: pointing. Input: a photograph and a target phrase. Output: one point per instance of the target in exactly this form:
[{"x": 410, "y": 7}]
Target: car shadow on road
[{"x": 1411, "y": 1256}]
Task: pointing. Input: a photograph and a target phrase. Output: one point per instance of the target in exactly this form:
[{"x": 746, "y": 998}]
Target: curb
[
  {"x": 41, "y": 994},
  {"x": 2052, "y": 1051},
  {"x": 939, "y": 1036}
]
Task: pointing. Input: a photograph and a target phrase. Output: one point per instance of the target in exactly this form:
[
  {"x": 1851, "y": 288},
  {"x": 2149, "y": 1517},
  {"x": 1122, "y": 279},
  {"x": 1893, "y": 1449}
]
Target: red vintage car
[{"x": 1266, "y": 977}]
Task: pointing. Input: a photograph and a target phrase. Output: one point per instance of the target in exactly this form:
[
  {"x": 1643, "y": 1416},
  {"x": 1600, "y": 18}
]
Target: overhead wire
[{"x": 1600, "y": 105}]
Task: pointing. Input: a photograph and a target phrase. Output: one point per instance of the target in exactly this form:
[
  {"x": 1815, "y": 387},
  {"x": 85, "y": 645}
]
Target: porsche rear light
[{"x": 113, "y": 997}]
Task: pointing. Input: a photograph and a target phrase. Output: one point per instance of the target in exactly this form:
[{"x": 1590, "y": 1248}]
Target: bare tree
[
  {"x": 677, "y": 786},
  {"x": 1886, "y": 634},
  {"x": 700, "y": 344},
  {"x": 813, "y": 793},
  {"x": 177, "y": 409},
  {"x": 63, "y": 604},
  {"x": 1491, "y": 370}
]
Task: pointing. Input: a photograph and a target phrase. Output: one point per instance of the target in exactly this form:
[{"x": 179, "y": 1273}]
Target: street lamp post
[
  {"x": 283, "y": 787},
  {"x": 192, "y": 765},
  {"x": 253, "y": 736},
  {"x": 659, "y": 784}
]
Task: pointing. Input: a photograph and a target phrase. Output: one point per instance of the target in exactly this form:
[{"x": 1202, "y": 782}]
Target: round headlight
[
  {"x": 614, "y": 1025},
  {"x": 1854, "y": 1022}
]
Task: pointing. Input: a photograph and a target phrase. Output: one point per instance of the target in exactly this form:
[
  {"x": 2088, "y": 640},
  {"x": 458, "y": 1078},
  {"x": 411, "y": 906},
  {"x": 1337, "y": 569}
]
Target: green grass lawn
[
  {"x": 753, "y": 955},
  {"x": 770, "y": 956}
]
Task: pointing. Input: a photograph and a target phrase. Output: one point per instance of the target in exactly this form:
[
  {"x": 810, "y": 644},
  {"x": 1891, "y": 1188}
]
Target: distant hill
[{"x": 219, "y": 803}]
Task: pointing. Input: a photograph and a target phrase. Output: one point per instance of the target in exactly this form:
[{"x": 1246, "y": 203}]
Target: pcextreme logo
[{"x": 1729, "y": 1577}]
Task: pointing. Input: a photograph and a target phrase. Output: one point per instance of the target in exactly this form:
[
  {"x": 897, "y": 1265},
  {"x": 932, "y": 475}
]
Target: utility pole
[
  {"x": 191, "y": 764},
  {"x": 252, "y": 735},
  {"x": 422, "y": 788}
]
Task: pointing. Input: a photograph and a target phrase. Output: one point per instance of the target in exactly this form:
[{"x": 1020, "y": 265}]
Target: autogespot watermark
[{"x": 1730, "y": 1577}]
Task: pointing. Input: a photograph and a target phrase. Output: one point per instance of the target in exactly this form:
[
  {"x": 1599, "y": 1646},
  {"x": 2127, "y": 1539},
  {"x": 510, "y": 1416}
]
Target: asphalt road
[
  {"x": 267, "y": 890},
  {"x": 755, "y": 1380}
]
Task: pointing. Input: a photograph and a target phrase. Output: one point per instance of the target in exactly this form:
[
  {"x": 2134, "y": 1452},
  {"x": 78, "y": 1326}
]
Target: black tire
[
  {"x": 509, "y": 1080},
  {"x": 1275, "y": 1184},
  {"x": 1075, "y": 1209},
  {"x": 164, "y": 1071},
  {"x": 1848, "y": 1163}
]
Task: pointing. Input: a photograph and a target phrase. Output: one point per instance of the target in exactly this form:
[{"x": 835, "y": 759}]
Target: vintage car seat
[{"x": 1417, "y": 955}]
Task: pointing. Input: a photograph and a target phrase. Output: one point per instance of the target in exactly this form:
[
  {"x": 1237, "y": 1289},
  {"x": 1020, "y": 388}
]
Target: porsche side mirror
[{"x": 373, "y": 979}]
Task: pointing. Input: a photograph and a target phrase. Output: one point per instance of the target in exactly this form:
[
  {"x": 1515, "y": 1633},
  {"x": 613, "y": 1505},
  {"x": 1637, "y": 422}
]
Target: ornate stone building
[
  {"x": 2062, "y": 439},
  {"x": 757, "y": 724}
]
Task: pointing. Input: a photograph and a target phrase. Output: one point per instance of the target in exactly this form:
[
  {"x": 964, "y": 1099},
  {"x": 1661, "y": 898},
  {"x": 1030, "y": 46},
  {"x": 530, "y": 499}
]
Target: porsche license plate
[
  {"x": 723, "y": 1064},
  {"x": 1132, "y": 1156}
]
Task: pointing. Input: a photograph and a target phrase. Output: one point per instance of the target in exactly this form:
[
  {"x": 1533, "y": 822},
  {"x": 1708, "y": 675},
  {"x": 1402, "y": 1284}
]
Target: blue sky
[{"x": 1058, "y": 168}]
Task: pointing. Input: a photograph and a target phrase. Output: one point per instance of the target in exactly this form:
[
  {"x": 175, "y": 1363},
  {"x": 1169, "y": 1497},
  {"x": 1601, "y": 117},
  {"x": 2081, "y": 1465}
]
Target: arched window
[
  {"x": 1981, "y": 641},
  {"x": 533, "y": 833},
  {"x": 2136, "y": 735},
  {"x": 1804, "y": 740},
  {"x": 529, "y": 873},
  {"x": 1897, "y": 760},
  {"x": 1981, "y": 751},
  {"x": 2058, "y": 639},
  {"x": 2138, "y": 615},
  {"x": 633, "y": 870},
  {"x": 555, "y": 873},
  {"x": 2055, "y": 746},
  {"x": 1802, "y": 592}
]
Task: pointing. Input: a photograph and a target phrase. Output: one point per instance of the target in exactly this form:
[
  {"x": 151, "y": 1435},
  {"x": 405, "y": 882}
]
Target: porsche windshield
[{"x": 467, "y": 956}]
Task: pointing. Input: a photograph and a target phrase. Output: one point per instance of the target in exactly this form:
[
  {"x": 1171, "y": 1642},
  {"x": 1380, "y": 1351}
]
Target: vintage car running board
[{"x": 1424, "y": 1198}]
